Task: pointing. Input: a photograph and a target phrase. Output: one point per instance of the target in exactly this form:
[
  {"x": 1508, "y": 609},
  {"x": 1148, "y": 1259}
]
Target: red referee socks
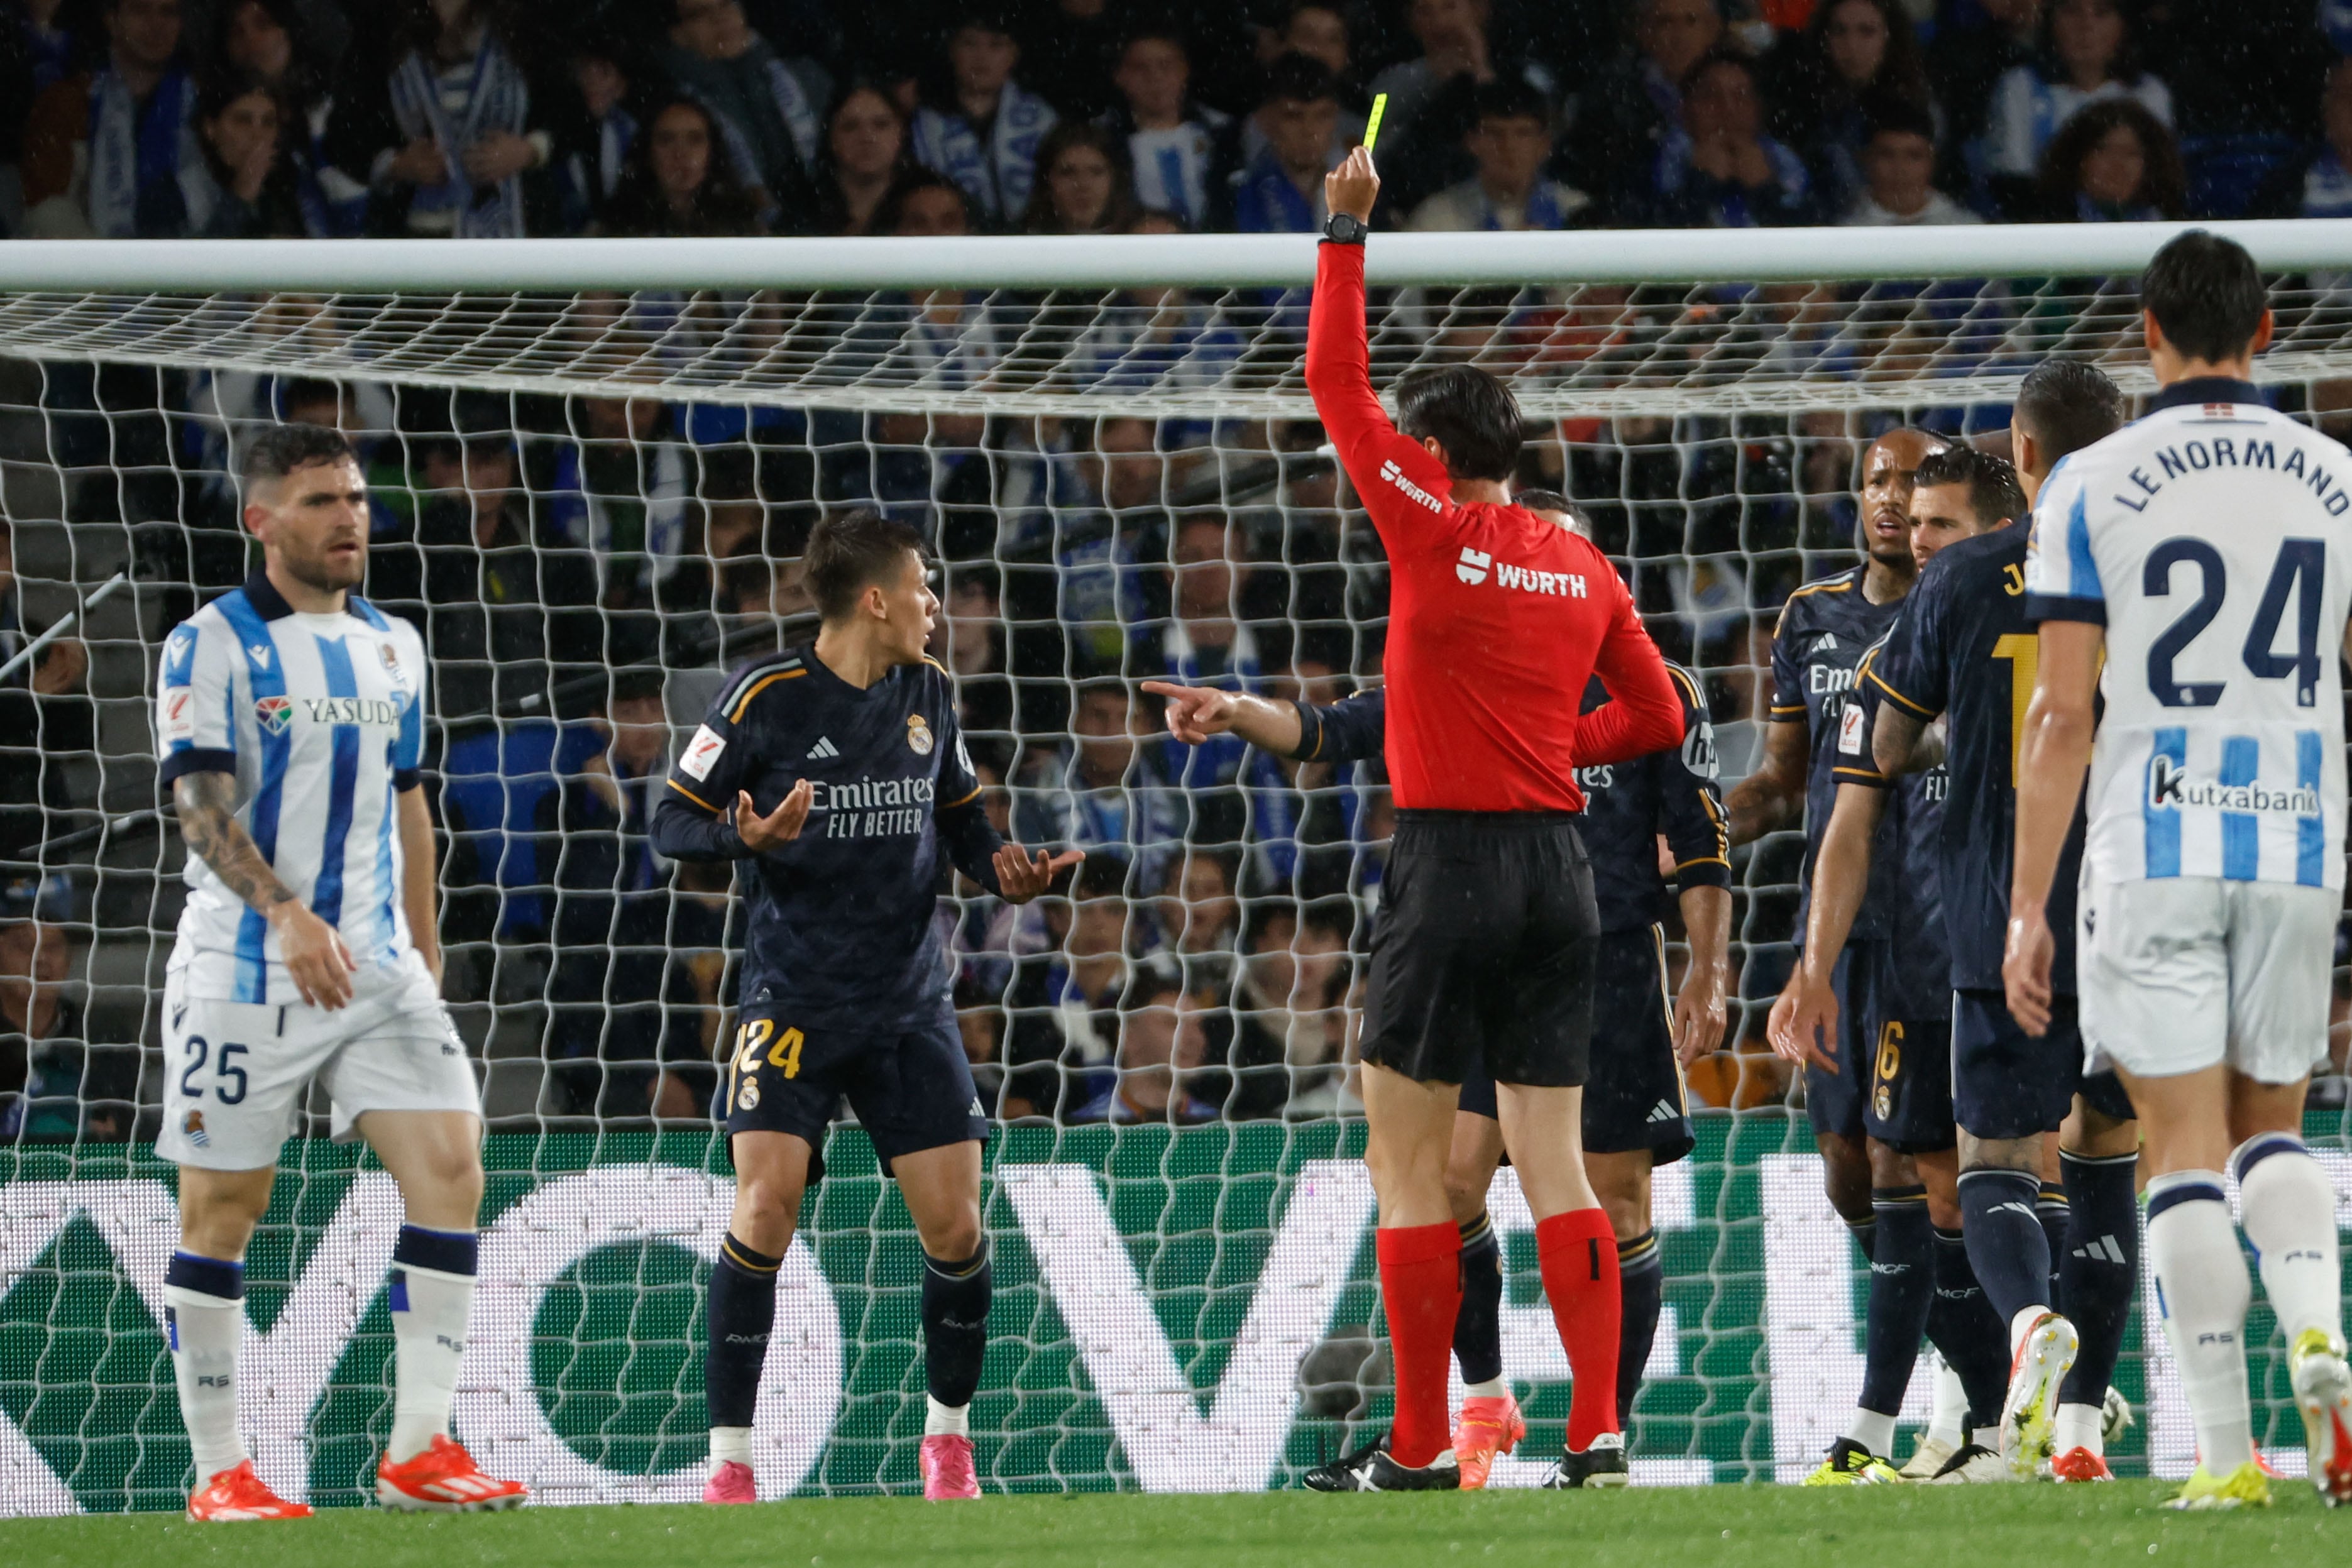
[
  {"x": 1579, "y": 1255},
  {"x": 1421, "y": 1290}
]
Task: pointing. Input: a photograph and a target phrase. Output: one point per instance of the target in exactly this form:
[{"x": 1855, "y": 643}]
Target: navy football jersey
[
  {"x": 1824, "y": 628},
  {"x": 841, "y": 927},
  {"x": 1915, "y": 970},
  {"x": 1966, "y": 650},
  {"x": 1626, "y": 804}
]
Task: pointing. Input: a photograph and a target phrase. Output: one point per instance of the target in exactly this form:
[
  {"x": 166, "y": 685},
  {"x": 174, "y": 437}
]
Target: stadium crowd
[
  {"x": 169, "y": 119},
  {"x": 585, "y": 569}
]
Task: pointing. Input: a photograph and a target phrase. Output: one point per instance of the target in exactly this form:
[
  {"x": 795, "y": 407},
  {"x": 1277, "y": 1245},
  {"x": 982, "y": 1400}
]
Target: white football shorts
[
  {"x": 2176, "y": 974},
  {"x": 236, "y": 1073}
]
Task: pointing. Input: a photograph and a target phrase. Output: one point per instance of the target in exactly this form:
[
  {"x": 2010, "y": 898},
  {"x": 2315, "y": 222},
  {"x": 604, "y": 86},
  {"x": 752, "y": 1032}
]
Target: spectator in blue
[
  {"x": 865, "y": 156},
  {"x": 111, "y": 152},
  {"x": 1205, "y": 640},
  {"x": 769, "y": 106},
  {"x": 1105, "y": 789},
  {"x": 1061, "y": 1040},
  {"x": 1081, "y": 186},
  {"x": 251, "y": 189},
  {"x": 445, "y": 141},
  {"x": 680, "y": 181},
  {"x": 1823, "y": 83},
  {"x": 56, "y": 1086},
  {"x": 1431, "y": 96},
  {"x": 2320, "y": 184},
  {"x": 1511, "y": 143},
  {"x": 1633, "y": 105},
  {"x": 1281, "y": 190},
  {"x": 2114, "y": 162},
  {"x": 1158, "y": 337},
  {"x": 2087, "y": 57},
  {"x": 267, "y": 42},
  {"x": 1718, "y": 169},
  {"x": 1161, "y": 1046},
  {"x": 981, "y": 128},
  {"x": 593, "y": 151},
  {"x": 1898, "y": 174},
  {"x": 1171, "y": 142}
]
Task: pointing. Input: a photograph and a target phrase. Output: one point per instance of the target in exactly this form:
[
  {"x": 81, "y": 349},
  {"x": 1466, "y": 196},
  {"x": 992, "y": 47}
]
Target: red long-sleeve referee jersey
[{"x": 1497, "y": 618}]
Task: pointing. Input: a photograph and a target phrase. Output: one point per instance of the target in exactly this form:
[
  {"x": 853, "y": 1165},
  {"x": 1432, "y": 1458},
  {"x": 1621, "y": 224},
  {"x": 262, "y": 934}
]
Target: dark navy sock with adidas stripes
[
  {"x": 1641, "y": 1284},
  {"x": 2007, "y": 1246},
  {"x": 956, "y": 1296},
  {"x": 2056, "y": 1215},
  {"x": 1478, "y": 1326},
  {"x": 742, "y": 1316},
  {"x": 1963, "y": 1326},
  {"x": 2101, "y": 1268},
  {"x": 1902, "y": 1288}
]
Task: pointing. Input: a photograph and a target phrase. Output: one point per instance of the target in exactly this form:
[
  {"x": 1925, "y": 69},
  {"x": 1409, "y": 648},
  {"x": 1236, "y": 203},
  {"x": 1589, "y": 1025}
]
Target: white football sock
[
  {"x": 429, "y": 1334},
  {"x": 2080, "y": 1427},
  {"x": 1951, "y": 1408},
  {"x": 1872, "y": 1431},
  {"x": 1493, "y": 1388},
  {"x": 731, "y": 1444},
  {"x": 2287, "y": 1207},
  {"x": 205, "y": 1333},
  {"x": 2204, "y": 1292},
  {"x": 945, "y": 1420}
]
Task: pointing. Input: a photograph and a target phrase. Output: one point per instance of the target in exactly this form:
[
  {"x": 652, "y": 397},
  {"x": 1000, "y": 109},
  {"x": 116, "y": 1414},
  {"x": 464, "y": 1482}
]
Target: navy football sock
[
  {"x": 2101, "y": 1269},
  {"x": 742, "y": 1314},
  {"x": 2007, "y": 1246},
  {"x": 955, "y": 1325},
  {"x": 2057, "y": 1217},
  {"x": 1902, "y": 1288},
  {"x": 1641, "y": 1284},
  {"x": 1865, "y": 1232},
  {"x": 1478, "y": 1326},
  {"x": 1964, "y": 1327}
]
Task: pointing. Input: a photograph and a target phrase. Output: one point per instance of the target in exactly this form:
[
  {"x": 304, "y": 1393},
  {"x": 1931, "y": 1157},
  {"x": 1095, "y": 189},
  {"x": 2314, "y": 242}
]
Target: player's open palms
[
  {"x": 1020, "y": 878},
  {"x": 781, "y": 826}
]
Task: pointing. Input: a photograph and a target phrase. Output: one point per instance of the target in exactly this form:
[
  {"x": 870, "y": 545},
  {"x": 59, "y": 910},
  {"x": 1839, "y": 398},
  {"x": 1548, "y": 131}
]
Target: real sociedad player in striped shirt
[{"x": 290, "y": 722}]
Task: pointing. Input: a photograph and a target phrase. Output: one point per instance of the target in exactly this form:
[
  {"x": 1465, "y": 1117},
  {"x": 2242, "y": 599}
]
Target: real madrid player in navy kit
[
  {"x": 837, "y": 774},
  {"x": 1636, "y": 1115},
  {"x": 1964, "y": 649},
  {"x": 1921, "y": 1280},
  {"x": 1824, "y": 631}
]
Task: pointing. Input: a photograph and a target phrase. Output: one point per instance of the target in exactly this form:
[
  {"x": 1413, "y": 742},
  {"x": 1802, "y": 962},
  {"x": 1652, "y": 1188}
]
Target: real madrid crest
[{"x": 918, "y": 735}]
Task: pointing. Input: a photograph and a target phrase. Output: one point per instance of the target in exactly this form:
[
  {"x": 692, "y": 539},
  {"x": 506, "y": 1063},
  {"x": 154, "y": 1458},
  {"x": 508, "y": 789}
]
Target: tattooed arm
[{"x": 315, "y": 955}]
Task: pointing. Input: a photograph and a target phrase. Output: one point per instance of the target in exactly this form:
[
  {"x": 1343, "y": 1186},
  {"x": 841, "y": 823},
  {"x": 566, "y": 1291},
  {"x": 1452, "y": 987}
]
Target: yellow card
[{"x": 1373, "y": 126}]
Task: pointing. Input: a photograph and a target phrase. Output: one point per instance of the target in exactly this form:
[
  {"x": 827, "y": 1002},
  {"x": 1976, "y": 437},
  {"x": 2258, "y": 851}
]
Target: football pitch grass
[{"x": 1884, "y": 1527}]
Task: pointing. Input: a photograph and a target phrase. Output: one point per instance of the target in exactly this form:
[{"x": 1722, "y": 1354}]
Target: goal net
[{"x": 593, "y": 468}]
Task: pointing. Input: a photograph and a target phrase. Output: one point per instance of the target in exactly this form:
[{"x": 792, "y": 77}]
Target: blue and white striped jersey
[
  {"x": 321, "y": 718},
  {"x": 2211, "y": 539}
]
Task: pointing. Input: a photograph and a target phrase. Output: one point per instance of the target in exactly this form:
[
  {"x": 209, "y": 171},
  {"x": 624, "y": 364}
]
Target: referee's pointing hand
[
  {"x": 781, "y": 826},
  {"x": 1194, "y": 713}
]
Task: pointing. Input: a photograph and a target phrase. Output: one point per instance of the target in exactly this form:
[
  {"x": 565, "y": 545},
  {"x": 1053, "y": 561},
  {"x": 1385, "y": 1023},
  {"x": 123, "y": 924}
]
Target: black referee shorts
[{"x": 1486, "y": 943}]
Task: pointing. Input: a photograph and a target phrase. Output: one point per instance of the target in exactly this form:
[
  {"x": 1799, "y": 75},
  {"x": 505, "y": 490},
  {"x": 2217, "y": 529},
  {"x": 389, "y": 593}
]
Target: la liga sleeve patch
[{"x": 702, "y": 753}]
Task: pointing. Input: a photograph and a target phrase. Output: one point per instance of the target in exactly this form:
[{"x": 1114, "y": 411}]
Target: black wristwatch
[{"x": 1343, "y": 228}]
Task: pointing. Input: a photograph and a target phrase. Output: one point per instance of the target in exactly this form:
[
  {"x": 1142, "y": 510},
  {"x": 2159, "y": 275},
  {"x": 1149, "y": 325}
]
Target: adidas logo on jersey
[
  {"x": 2101, "y": 1250},
  {"x": 1662, "y": 1112},
  {"x": 822, "y": 748},
  {"x": 1828, "y": 645}
]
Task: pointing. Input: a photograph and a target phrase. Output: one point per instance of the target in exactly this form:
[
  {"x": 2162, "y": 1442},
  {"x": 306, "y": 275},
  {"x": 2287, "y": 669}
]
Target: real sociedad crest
[{"x": 274, "y": 714}]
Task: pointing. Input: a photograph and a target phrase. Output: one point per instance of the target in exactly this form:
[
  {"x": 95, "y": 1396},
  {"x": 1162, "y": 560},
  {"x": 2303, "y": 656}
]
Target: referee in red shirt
[{"x": 1497, "y": 618}]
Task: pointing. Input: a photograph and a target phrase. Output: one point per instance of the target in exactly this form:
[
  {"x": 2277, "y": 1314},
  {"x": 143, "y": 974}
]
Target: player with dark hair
[
  {"x": 1498, "y": 619},
  {"x": 1635, "y": 1114},
  {"x": 1824, "y": 631},
  {"x": 1906, "y": 1008},
  {"x": 1963, "y": 651},
  {"x": 2189, "y": 577},
  {"x": 836, "y": 775},
  {"x": 289, "y": 719}
]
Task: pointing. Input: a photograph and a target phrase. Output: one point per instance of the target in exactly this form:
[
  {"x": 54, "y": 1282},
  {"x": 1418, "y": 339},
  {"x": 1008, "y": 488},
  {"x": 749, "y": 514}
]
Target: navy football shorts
[
  {"x": 2008, "y": 1084},
  {"x": 1633, "y": 1096},
  {"x": 1833, "y": 1099},
  {"x": 911, "y": 1091}
]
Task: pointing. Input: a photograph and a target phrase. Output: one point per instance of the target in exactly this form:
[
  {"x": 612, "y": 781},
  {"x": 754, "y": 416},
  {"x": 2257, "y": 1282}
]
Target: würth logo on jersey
[
  {"x": 1412, "y": 492},
  {"x": 1527, "y": 580},
  {"x": 1472, "y": 567},
  {"x": 274, "y": 714}
]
